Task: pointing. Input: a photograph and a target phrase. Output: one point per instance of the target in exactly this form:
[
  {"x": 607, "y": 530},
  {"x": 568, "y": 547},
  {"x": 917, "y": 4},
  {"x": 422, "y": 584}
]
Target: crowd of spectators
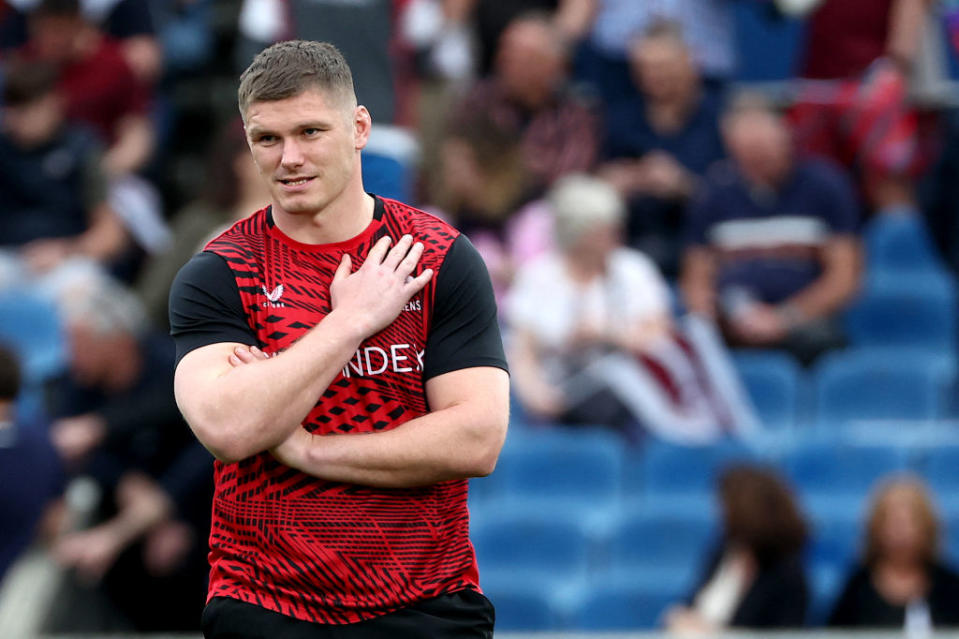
[{"x": 640, "y": 212}]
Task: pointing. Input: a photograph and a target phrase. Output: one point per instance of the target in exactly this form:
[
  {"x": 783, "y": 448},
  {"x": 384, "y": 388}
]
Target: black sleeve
[
  {"x": 845, "y": 612},
  {"x": 464, "y": 331},
  {"x": 205, "y": 306}
]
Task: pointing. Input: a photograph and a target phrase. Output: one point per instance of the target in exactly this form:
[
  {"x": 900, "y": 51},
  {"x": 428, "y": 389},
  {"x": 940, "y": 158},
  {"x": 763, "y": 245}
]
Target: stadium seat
[
  {"x": 550, "y": 550},
  {"x": 665, "y": 548},
  {"x": 31, "y": 326},
  {"x": 825, "y": 583},
  {"x": 519, "y": 608},
  {"x": 775, "y": 383},
  {"x": 768, "y": 48},
  {"x": 904, "y": 312},
  {"x": 625, "y": 606},
  {"x": 878, "y": 384},
  {"x": 550, "y": 464},
  {"x": 388, "y": 162},
  {"x": 900, "y": 243},
  {"x": 679, "y": 478},
  {"x": 940, "y": 468},
  {"x": 827, "y": 469}
]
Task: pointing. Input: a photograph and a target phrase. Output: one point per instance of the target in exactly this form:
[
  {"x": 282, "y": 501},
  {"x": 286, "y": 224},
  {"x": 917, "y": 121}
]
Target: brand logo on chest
[{"x": 273, "y": 297}]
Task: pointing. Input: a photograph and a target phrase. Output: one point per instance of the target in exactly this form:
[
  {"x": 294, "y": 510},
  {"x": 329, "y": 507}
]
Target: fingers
[
  {"x": 378, "y": 252},
  {"x": 243, "y": 355},
  {"x": 346, "y": 265},
  {"x": 398, "y": 252},
  {"x": 414, "y": 285},
  {"x": 411, "y": 260}
]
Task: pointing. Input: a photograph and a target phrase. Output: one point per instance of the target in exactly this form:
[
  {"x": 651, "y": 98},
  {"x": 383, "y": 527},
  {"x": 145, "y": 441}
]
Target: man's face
[
  {"x": 30, "y": 125},
  {"x": 55, "y": 36},
  {"x": 662, "y": 68},
  {"x": 759, "y": 142},
  {"x": 529, "y": 63},
  {"x": 306, "y": 148}
]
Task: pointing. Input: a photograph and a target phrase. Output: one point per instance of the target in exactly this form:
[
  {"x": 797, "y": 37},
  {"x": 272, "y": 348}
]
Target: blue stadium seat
[
  {"x": 389, "y": 159},
  {"x": 900, "y": 243},
  {"x": 768, "y": 49},
  {"x": 825, "y": 584},
  {"x": 544, "y": 549},
  {"x": 904, "y": 312},
  {"x": 31, "y": 326},
  {"x": 626, "y": 606},
  {"x": 829, "y": 469},
  {"x": 550, "y": 464},
  {"x": 665, "y": 548},
  {"x": 775, "y": 383},
  {"x": 520, "y": 608},
  {"x": 878, "y": 384},
  {"x": 679, "y": 478},
  {"x": 940, "y": 469}
]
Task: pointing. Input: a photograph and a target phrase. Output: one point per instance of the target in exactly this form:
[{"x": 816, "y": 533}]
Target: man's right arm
[{"x": 239, "y": 412}]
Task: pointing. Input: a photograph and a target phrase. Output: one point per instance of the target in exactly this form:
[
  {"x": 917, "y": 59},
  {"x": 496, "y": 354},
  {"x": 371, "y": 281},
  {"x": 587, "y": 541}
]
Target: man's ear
[{"x": 362, "y": 124}]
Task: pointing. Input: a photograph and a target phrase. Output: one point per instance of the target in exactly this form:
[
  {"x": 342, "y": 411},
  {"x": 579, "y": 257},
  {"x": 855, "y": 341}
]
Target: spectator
[
  {"x": 860, "y": 57},
  {"x": 708, "y": 27},
  {"x": 527, "y": 98},
  {"x": 661, "y": 141},
  {"x": 902, "y": 581},
  {"x": 128, "y": 21},
  {"x": 594, "y": 341},
  {"x": 233, "y": 188},
  {"x": 30, "y": 473},
  {"x": 100, "y": 90},
  {"x": 52, "y": 187},
  {"x": 115, "y": 420},
  {"x": 755, "y": 578},
  {"x": 772, "y": 248}
]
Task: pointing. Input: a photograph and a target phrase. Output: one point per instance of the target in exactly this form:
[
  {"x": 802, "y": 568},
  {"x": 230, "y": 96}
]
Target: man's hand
[
  {"x": 761, "y": 324},
  {"x": 75, "y": 437},
  {"x": 376, "y": 293}
]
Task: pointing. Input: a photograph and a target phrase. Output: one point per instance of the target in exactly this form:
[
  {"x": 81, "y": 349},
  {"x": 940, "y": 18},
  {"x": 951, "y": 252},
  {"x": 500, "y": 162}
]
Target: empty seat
[
  {"x": 900, "y": 243},
  {"x": 541, "y": 465},
  {"x": 624, "y": 606},
  {"x": 775, "y": 382},
  {"x": 878, "y": 384},
  {"x": 904, "y": 313},
  {"x": 667, "y": 548},
  {"x": 826, "y": 468},
  {"x": 31, "y": 326},
  {"x": 670, "y": 477},
  {"x": 520, "y": 608},
  {"x": 547, "y": 549}
]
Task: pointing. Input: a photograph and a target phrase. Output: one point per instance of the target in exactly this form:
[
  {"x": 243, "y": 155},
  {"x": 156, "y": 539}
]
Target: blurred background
[{"x": 723, "y": 235}]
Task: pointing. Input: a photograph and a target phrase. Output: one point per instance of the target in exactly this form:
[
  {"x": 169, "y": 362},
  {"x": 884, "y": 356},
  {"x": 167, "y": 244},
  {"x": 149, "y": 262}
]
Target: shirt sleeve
[
  {"x": 205, "y": 306},
  {"x": 464, "y": 331}
]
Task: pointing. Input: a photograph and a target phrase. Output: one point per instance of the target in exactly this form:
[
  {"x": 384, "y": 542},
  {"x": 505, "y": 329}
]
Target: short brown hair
[
  {"x": 922, "y": 509},
  {"x": 287, "y": 69},
  {"x": 761, "y": 513},
  {"x": 26, "y": 82}
]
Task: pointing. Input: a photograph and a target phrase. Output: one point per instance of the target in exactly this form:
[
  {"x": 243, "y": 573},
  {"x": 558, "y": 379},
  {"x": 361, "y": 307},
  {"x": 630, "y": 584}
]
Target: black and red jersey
[{"x": 318, "y": 550}]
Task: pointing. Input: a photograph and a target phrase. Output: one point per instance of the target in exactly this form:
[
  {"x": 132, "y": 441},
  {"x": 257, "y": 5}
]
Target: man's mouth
[{"x": 295, "y": 181}]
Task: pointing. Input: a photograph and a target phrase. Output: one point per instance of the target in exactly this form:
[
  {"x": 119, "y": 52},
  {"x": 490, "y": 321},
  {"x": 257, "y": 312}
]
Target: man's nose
[{"x": 292, "y": 154}]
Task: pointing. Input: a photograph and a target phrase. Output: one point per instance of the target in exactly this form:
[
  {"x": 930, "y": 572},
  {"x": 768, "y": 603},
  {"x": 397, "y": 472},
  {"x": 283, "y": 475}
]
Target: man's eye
[
  {"x": 311, "y": 131},
  {"x": 266, "y": 139}
]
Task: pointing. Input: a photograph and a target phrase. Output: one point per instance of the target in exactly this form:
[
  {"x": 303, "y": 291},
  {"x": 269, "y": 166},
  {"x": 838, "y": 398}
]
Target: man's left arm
[
  {"x": 467, "y": 391},
  {"x": 461, "y": 437}
]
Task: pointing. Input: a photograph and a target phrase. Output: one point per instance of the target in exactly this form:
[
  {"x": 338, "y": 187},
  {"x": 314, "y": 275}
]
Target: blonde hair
[
  {"x": 580, "y": 203},
  {"x": 922, "y": 508}
]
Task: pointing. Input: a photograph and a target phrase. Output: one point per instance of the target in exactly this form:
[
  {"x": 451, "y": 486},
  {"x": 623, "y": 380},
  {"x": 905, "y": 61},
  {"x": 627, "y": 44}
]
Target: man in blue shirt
[{"x": 772, "y": 249}]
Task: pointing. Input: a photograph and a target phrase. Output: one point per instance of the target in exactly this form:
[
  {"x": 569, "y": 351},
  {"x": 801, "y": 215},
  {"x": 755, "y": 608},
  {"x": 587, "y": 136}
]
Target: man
[
  {"x": 772, "y": 247},
  {"x": 527, "y": 97},
  {"x": 53, "y": 200},
  {"x": 660, "y": 142},
  {"x": 340, "y": 505}
]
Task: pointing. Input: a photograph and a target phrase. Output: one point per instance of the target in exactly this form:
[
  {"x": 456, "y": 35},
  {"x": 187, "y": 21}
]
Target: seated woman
[
  {"x": 755, "y": 578},
  {"x": 593, "y": 337},
  {"x": 902, "y": 581}
]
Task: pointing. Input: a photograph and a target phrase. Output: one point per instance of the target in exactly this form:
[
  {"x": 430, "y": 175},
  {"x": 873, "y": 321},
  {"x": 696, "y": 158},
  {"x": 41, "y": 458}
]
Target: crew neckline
[{"x": 378, "y": 211}]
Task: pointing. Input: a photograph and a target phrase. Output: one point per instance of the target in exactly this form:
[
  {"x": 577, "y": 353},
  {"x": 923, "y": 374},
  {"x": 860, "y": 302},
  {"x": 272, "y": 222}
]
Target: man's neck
[{"x": 343, "y": 219}]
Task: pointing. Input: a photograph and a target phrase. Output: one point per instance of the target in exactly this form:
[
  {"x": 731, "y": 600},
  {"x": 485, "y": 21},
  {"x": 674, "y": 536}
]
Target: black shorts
[{"x": 465, "y": 614}]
